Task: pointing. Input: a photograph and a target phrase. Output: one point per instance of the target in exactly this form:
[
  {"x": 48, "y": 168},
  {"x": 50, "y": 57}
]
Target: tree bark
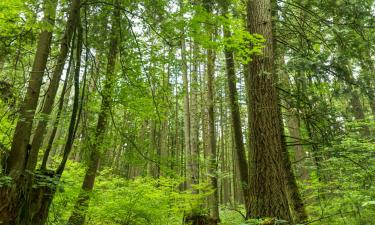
[{"x": 268, "y": 196}]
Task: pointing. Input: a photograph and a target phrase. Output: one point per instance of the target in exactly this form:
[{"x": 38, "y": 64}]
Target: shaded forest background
[{"x": 187, "y": 112}]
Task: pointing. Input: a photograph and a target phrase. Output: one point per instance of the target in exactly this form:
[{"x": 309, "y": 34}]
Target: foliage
[{"x": 116, "y": 200}]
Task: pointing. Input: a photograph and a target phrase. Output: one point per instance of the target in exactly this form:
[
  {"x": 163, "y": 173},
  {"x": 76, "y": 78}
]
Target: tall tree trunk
[
  {"x": 212, "y": 155},
  {"x": 194, "y": 116},
  {"x": 236, "y": 118},
  {"x": 54, "y": 84},
  {"x": 293, "y": 123},
  {"x": 268, "y": 196},
  {"x": 41, "y": 197},
  {"x": 65, "y": 94},
  {"x": 12, "y": 197},
  {"x": 295, "y": 201},
  {"x": 187, "y": 132},
  {"x": 345, "y": 66},
  {"x": 368, "y": 67},
  {"x": 20, "y": 145},
  {"x": 81, "y": 206}
]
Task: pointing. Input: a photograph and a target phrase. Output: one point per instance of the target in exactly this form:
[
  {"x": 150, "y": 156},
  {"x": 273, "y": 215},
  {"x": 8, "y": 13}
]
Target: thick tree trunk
[
  {"x": 81, "y": 206},
  {"x": 236, "y": 120},
  {"x": 20, "y": 145},
  {"x": 12, "y": 198},
  {"x": 268, "y": 196}
]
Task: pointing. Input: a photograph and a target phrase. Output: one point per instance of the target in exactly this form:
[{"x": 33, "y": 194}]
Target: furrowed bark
[{"x": 268, "y": 196}]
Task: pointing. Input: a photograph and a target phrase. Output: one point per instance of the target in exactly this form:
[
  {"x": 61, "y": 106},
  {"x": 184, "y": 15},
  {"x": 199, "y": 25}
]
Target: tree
[
  {"x": 80, "y": 209},
  {"x": 267, "y": 192},
  {"x": 236, "y": 117},
  {"x": 19, "y": 153}
]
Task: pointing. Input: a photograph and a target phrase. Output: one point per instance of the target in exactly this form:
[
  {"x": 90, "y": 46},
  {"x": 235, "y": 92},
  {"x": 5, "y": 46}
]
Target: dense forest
[{"x": 201, "y": 112}]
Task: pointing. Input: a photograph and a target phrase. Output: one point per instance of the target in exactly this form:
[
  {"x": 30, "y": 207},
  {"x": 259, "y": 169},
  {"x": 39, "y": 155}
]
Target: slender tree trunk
[
  {"x": 210, "y": 101},
  {"x": 65, "y": 94},
  {"x": 357, "y": 110},
  {"x": 194, "y": 119},
  {"x": 236, "y": 119},
  {"x": 367, "y": 65},
  {"x": 293, "y": 124},
  {"x": 40, "y": 198},
  {"x": 187, "y": 126},
  {"x": 2, "y": 61},
  {"x": 221, "y": 142},
  {"x": 267, "y": 191},
  {"x": 54, "y": 84},
  {"x": 294, "y": 197},
  {"x": 295, "y": 201},
  {"x": 354, "y": 101},
  {"x": 81, "y": 206}
]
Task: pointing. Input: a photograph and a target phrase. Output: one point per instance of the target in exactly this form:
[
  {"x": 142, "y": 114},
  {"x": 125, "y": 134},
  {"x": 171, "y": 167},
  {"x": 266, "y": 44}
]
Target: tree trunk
[
  {"x": 65, "y": 94},
  {"x": 268, "y": 196},
  {"x": 2, "y": 61},
  {"x": 295, "y": 201},
  {"x": 187, "y": 133},
  {"x": 81, "y": 206},
  {"x": 12, "y": 198},
  {"x": 194, "y": 119},
  {"x": 20, "y": 145},
  {"x": 212, "y": 155},
  {"x": 236, "y": 119},
  {"x": 39, "y": 196},
  {"x": 293, "y": 124},
  {"x": 356, "y": 108},
  {"x": 54, "y": 84}
]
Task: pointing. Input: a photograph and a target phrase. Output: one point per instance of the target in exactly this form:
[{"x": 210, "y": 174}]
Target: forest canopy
[{"x": 200, "y": 112}]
